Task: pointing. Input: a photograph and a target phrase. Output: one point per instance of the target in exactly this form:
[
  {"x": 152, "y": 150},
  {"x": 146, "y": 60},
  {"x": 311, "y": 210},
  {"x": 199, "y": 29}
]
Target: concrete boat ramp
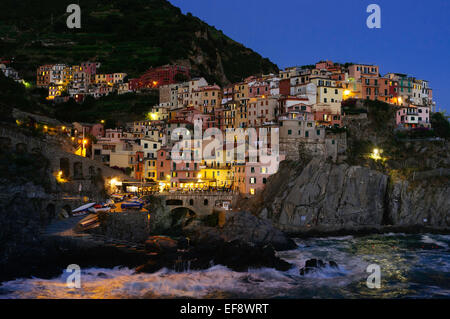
[{"x": 73, "y": 229}]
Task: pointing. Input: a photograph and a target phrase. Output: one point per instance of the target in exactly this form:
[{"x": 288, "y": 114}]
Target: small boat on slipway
[
  {"x": 99, "y": 208},
  {"x": 132, "y": 204},
  {"x": 82, "y": 210},
  {"x": 92, "y": 208}
]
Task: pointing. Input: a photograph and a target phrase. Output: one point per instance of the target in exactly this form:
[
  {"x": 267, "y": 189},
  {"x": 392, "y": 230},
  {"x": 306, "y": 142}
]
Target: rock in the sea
[
  {"x": 313, "y": 265},
  {"x": 237, "y": 255},
  {"x": 333, "y": 264},
  {"x": 160, "y": 244},
  {"x": 242, "y": 226}
]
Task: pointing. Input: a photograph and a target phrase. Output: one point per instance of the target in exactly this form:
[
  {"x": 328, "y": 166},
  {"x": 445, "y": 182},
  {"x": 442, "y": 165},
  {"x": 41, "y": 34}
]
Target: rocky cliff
[{"x": 327, "y": 197}]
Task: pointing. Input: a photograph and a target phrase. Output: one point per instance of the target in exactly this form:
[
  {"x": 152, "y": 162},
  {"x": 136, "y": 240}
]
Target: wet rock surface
[
  {"x": 237, "y": 255},
  {"x": 314, "y": 265}
]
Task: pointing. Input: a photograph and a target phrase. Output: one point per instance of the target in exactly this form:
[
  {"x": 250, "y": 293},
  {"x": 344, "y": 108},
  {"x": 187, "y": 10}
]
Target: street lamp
[{"x": 376, "y": 154}]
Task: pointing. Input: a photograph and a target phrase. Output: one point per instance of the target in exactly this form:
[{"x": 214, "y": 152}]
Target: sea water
[{"x": 412, "y": 266}]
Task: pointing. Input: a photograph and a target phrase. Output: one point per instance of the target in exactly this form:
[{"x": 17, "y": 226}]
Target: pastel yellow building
[
  {"x": 217, "y": 177},
  {"x": 158, "y": 114},
  {"x": 241, "y": 95},
  {"x": 328, "y": 92},
  {"x": 150, "y": 171},
  {"x": 54, "y": 91},
  {"x": 351, "y": 89}
]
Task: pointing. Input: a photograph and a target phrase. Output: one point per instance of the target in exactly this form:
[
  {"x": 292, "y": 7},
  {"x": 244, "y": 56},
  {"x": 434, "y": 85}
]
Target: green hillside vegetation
[
  {"x": 112, "y": 108},
  {"x": 116, "y": 108},
  {"x": 124, "y": 35}
]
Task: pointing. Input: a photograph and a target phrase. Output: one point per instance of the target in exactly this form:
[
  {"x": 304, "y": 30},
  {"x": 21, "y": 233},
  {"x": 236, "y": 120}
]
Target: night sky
[{"x": 414, "y": 37}]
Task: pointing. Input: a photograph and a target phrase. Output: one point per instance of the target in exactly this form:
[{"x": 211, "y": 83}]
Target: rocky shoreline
[
  {"x": 320, "y": 200},
  {"x": 48, "y": 257},
  {"x": 367, "y": 231}
]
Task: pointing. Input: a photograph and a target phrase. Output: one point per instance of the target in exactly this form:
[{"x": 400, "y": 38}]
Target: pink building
[
  {"x": 191, "y": 114},
  {"x": 96, "y": 130},
  {"x": 256, "y": 89},
  {"x": 424, "y": 116},
  {"x": 261, "y": 110},
  {"x": 299, "y": 107},
  {"x": 250, "y": 178},
  {"x": 163, "y": 164},
  {"x": 407, "y": 117},
  {"x": 356, "y": 71},
  {"x": 326, "y": 117},
  {"x": 324, "y": 65},
  {"x": 285, "y": 103},
  {"x": 89, "y": 68}
]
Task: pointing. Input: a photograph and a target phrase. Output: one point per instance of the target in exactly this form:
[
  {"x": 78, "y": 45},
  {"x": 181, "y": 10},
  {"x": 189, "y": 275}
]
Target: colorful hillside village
[{"x": 304, "y": 105}]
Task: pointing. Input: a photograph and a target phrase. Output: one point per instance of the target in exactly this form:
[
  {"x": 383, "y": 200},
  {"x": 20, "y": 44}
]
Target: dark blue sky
[{"x": 414, "y": 37}]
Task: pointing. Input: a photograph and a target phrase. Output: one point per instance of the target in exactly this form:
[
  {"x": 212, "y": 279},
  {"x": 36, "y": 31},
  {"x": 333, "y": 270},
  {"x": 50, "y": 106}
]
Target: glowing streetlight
[
  {"x": 376, "y": 154},
  {"x": 113, "y": 182}
]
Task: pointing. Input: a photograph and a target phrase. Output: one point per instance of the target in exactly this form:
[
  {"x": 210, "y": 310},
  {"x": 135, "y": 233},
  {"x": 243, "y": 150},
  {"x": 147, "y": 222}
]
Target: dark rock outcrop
[
  {"x": 160, "y": 244},
  {"x": 324, "y": 197},
  {"x": 237, "y": 255},
  {"x": 313, "y": 265},
  {"x": 241, "y": 226},
  {"x": 243, "y": 241}
]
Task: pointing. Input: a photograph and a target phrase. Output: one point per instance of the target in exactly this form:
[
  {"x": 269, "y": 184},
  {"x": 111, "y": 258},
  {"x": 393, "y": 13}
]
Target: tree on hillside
[{"x": 440, "y": 124}]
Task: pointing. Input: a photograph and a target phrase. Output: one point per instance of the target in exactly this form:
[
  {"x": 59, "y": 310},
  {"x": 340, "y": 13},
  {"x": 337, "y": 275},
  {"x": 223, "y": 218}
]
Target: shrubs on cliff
[
  {"x": 381, "y": 115},
  {"x": 441, "y": 125},
  {"x": 20, "y": 166}
]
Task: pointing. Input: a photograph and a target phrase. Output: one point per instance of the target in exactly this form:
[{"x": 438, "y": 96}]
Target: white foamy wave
[
  {"x": 395, "y": 235},
  {"x": 124, "y": 283},
  {"x": 428, "y": 240}
]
